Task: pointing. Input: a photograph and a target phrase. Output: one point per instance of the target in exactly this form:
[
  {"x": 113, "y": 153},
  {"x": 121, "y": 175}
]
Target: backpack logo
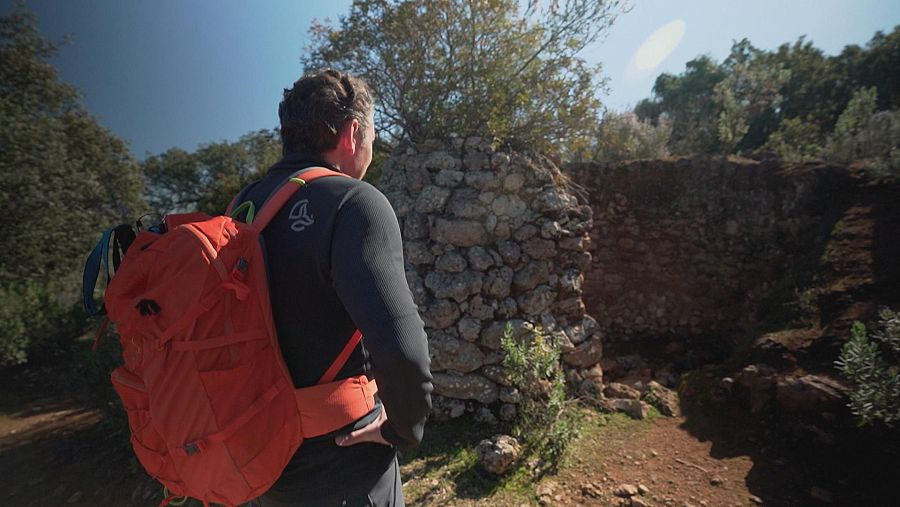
[{"x": 301, "y": 217}]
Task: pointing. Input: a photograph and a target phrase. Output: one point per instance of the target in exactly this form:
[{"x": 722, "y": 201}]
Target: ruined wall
[
  {"x": 687, "y": 246},
  {"x": 490, "y": 237}
]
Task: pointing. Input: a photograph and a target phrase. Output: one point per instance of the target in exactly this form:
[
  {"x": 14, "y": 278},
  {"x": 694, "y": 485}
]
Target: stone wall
[
  {"x": 687, "y": 246},
  {"x": 490, "y": 237}
]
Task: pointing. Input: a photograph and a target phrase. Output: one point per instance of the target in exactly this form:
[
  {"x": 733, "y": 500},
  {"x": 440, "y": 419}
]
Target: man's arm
[{"x": 368, "y": 275}]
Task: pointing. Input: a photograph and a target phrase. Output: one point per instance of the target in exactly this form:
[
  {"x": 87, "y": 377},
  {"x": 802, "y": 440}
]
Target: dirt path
[{"x": 53, "y": 453}]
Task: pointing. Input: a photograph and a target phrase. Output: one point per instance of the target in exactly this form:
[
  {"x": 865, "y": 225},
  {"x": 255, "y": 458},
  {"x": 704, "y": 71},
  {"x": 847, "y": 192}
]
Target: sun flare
[{"x": 659, "y": 45}]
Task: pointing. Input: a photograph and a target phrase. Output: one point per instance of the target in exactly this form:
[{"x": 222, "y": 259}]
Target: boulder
[
  {"x": 498, "y": 453},
  {"x": 466, "y": 387},
  {"x": 432, "y": 199},
  {"x": 635, "y": 409},
  {"x": 456, "y": 286},
  {"x": 586, "y": 353},
  {"x": 464, "y": 204},
  {"x": 451, "y": 262},
  {"x": 491, "y": 335},
  {"x": 665, "y": 400},
  {"x": 464, "y": 233},
  {"x": 479, "y": 258},
  {"x": 440, "y": 314},
  {"x": 539, "y": 248},
  {"x": 416, "y": 226},
  {"x": 454, "y": 354},
  {"x": 810, "y": 392},
  {"x": 498, "y": 282},
  {"x": 449, "y": 177},
  {"x": 535, "y": 302},
  {"x": 623, "y": 391},
  {"x": 496, "y": 374},
  {"x": 469, "y": 328},
  {"x": 533, "y": 274}
]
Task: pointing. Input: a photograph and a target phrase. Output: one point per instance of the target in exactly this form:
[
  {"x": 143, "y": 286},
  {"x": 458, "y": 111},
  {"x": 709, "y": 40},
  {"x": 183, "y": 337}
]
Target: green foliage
[
  {"x": 862, "y": 134},
  {"x": 743, "y": 102},
  {"x": 503, "y": 68},
  {"x": 872, "y": 362},
  {"x": 207, "y": 179},
  {"x": 63, "y": 178},
  {"x": 749, "y": 92},
  {"x": 853, "y": 122},
  {"x": 21, "y": 312},
  {"x": 796, "y": 141},
  {"x": 623, "y": 136},
  {"x": 546, "y": 423},
  {"x": 686, "y": 100}
]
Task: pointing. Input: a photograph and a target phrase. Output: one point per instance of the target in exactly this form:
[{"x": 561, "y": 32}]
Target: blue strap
[
  {"x": 104, "y": 253},
  {"x": 92, "y": 272}
]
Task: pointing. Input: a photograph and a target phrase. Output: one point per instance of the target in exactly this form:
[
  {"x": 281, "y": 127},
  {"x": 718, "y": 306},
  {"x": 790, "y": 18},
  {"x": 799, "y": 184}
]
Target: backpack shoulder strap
[
  {"x": 239, "y": 198},
  {"x": 285, "y": 190}
]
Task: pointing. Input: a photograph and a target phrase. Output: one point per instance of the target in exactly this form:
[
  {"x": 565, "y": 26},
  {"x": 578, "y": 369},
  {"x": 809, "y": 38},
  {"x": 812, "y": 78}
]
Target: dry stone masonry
[
  {"x": 685, "y": 247},
  {"x": 490, "y": 237}
]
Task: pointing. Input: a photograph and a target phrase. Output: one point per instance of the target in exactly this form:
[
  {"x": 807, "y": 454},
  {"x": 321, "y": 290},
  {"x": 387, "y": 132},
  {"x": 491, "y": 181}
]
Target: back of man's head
[{"x": 318, "y": 105}]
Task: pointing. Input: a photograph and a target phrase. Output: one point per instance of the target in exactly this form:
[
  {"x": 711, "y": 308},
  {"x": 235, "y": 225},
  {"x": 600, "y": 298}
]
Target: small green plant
[
  {"x": 547, "y": 422},
  {"x": 872, "y": 362}
]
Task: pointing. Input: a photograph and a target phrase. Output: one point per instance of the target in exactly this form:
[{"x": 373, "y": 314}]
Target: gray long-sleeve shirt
[{"x": 335, "y": 263}]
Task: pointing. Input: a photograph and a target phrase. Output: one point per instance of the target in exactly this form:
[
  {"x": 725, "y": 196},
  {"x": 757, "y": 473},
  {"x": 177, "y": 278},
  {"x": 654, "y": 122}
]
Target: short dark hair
[{"x": 316, "y": 108}]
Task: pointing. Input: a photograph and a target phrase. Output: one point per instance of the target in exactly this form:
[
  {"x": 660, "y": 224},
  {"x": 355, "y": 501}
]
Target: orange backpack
[{"x": 212, "y": 409}]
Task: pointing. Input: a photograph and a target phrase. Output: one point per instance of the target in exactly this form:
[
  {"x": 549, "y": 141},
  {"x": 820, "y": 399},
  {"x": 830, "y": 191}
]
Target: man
[{"x": 335, "y": 265}]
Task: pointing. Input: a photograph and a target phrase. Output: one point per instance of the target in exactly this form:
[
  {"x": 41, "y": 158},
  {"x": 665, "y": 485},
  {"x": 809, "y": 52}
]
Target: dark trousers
[{"x": 387, "y": 492}]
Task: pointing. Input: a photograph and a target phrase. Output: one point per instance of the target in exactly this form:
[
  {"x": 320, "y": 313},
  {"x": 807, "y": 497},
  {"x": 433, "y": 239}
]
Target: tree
[
  {"x": 209, "y": 178},
  {"x": 687, "y": 102},
  {"x": 738, "y": 104},
  {"x": 63, "y": 178},
  {"x": 479, "y": 67},
  {"x": 877, "y": 66},
  {"x": 814, "y": 91},
  {"x": 748, "y": 96}
]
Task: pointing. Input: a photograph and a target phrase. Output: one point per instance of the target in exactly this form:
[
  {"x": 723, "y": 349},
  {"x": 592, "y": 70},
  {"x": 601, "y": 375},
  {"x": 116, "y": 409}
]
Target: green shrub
[
  {"x": 796, "y": 141},
  {"x": 624, "y": 136},
  {"x": 862, "y": 134},
  {"x": 546, "y": 422},
  {"x": 872, "y": 362},
  {"x": 35, "y": 320}
]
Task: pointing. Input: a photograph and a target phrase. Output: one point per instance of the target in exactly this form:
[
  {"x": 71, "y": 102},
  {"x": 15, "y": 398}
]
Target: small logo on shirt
[{"x": 300, "y": 216}]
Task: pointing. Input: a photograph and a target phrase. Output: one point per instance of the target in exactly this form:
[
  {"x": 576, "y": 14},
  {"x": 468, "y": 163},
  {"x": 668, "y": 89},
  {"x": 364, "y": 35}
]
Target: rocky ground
[{"x": 54, "y": 452}]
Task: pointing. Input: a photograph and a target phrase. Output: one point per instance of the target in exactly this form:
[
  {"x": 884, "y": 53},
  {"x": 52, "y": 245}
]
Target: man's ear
[{"x": 348, "y": 135}]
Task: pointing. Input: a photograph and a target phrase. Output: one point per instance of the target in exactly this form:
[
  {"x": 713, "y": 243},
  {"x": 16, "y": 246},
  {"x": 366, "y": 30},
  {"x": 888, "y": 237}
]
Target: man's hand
[{"x": 368, "y": 433}]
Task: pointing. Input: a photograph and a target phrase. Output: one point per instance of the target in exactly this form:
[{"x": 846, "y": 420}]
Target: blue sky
[{"x": 167, "y": 73}]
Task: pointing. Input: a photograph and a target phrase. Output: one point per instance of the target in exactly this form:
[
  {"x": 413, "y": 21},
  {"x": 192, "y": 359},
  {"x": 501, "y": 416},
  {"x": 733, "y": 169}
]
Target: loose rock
[{"x": 498, "y": 453}]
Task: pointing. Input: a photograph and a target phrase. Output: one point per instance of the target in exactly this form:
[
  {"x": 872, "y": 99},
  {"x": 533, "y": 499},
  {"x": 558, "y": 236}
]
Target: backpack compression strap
[{"x": 341, "y": 359}]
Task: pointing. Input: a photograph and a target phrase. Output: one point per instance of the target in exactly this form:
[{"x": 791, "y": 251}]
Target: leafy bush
[
  {"x": 546, "y": 423},
  {"x": 796, "y": 141},
  {"x": 624, "y": 136},
  {"x": 872, "y": 362},
  {"x": 35, "y": 320},
  {"x": 862, "y": 134}
]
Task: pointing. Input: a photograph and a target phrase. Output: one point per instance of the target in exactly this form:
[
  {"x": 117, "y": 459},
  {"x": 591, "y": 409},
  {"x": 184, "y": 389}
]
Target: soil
[{"x": 55, "y": 452}]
